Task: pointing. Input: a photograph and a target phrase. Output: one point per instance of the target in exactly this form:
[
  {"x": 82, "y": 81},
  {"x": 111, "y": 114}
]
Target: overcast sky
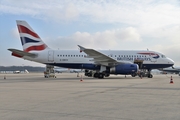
[{"x": 97, "y": 24}]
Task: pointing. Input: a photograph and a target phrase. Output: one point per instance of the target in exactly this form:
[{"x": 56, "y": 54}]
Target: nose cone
[{"x": 170, "y": 61}]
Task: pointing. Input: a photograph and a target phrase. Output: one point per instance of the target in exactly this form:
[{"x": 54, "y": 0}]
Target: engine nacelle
[{"x": 124, "y": 69}]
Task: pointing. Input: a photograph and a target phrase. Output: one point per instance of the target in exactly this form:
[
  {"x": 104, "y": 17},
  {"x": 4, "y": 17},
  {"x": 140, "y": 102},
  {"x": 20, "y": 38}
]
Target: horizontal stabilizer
[{"x": 20, "y": 53}]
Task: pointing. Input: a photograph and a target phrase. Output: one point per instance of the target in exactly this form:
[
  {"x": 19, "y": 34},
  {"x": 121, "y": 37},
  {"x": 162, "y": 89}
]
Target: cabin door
[{"x": 51, "y": 56}]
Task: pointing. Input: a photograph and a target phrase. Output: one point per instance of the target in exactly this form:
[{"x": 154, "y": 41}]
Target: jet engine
[{"x": 124, "y": 69}]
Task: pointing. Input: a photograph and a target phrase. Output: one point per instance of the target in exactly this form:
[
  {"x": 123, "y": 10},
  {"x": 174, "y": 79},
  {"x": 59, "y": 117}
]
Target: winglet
[{"x": 81, "y": 48}]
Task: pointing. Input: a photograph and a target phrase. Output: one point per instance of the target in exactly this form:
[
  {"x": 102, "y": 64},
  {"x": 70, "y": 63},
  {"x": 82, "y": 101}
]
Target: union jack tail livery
[{"x": 29, "y": 39}]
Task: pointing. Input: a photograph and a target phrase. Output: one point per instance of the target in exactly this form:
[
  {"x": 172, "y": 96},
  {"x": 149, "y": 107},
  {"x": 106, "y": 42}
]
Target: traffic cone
[
  {"x": 171, "y": 80},
  {"x": 81, "y": 78}
]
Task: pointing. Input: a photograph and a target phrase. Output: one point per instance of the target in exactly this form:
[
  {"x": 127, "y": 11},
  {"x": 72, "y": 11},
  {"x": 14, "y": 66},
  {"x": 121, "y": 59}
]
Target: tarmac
[{"x": 68, "y": 97}]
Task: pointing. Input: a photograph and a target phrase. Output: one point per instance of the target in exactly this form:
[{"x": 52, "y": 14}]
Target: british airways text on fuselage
[{"x": 132, "y": 59}]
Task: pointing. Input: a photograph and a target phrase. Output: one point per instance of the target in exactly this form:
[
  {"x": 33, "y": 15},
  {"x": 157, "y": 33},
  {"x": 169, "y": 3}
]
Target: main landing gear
[
  {"x": 145, "y": 73},
  {"x": 95, "y": 74}
]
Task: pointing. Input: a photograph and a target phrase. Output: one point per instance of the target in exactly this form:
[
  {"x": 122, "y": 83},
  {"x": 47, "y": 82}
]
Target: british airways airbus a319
[{"x": 102, "y": 63}]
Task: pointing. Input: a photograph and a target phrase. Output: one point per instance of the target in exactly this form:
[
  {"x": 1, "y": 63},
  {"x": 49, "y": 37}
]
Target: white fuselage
[{"x": 76, "y": 59}]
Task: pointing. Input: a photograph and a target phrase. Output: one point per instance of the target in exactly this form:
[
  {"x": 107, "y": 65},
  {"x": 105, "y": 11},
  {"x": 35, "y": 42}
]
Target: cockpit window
[{"x": 163, "y": 56}]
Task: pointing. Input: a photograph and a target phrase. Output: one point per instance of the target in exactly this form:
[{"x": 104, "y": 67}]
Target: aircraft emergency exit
[{"x": 103, "y": 62}]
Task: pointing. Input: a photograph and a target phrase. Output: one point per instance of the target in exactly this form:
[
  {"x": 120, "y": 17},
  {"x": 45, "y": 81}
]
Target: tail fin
[{"x": 29, "y": 39}]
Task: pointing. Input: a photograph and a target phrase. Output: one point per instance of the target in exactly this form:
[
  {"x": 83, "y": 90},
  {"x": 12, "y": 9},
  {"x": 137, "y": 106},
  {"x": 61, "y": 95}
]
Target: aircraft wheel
[
  {"x": 89, "y": 74},
  {"x": 133, "y": 75},
  {"x": 95, "y": 75},
  {"x": 150, "y": 76},
  {"x": 101, "y": 76},
  {"x": 86, "y": 74},
  {"x": 107, "y": 75}
]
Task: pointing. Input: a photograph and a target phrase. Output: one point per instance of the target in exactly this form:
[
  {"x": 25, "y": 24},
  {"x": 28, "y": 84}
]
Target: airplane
[
  {"x": 97, "y": 63},
  {"x": 66, "y": 70},
  {"x": 175, "y": 70},
  {"x": 16, "y": 72},
  {"x": 61, "y": 70},
  {"x": 76, "y": 70}
]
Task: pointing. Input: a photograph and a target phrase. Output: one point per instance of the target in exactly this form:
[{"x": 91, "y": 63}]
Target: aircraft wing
[
  {"x": 19, "y": 53},
  {"x": 100, "y": 58}
]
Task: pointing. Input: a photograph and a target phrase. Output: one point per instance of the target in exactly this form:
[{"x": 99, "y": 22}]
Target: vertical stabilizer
[{"x": 29, "y": 38}]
